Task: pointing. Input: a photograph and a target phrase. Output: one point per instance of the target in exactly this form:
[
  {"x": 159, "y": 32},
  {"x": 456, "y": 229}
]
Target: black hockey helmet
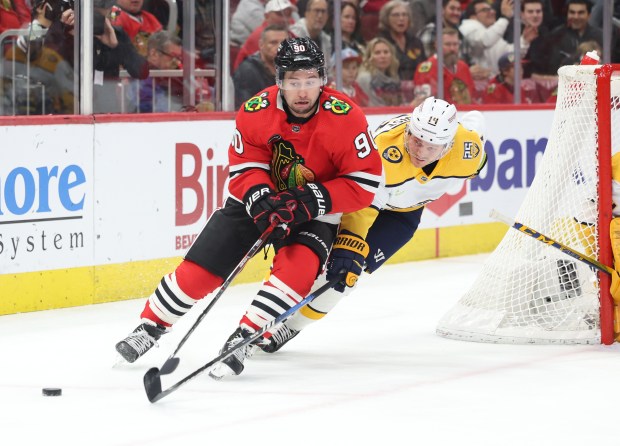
[{"x": 299, "y": 53}]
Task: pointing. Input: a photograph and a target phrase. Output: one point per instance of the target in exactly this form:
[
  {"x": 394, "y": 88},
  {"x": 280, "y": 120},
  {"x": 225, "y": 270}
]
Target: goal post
[{"x": 528, "y": 292}]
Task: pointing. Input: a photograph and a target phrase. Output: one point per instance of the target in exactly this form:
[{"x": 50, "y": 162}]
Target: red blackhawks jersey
[
  {"x": 458, "y": 86},
  {"x": 333, "y": 147},
  {"x": 138, "y": 27}
]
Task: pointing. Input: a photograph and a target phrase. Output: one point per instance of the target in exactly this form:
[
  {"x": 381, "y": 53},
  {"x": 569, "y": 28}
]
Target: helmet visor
[{"x": 301, "y": 80}]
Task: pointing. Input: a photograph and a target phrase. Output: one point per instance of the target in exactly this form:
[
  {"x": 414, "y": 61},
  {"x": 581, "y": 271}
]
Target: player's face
[
  {"x": 577, "y": 17},
  {"x": 532, "y": 14},
  {"x": 421, "y": 152},
  {"x": 301, "y": 89}
]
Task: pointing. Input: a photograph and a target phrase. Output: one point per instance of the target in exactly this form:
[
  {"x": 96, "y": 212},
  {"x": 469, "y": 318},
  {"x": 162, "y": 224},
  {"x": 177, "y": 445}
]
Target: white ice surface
[{"x": 371, "y": 373}]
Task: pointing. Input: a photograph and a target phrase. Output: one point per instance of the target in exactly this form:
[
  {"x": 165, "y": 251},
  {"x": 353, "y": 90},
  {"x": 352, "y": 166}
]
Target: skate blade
[{"x": 220, "y": 370}]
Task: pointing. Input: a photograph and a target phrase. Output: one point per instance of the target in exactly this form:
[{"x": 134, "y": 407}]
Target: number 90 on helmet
[
  {"x": 434, "y": 121},
  {"x": 299, "y": 54}
]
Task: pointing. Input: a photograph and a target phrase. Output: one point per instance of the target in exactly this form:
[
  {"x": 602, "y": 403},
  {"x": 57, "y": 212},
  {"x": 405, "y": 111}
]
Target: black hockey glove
[
  {"x": 265, "y": 206},
  {"x": 349, "y": 253},
  {"x": 312, "y": 200}
]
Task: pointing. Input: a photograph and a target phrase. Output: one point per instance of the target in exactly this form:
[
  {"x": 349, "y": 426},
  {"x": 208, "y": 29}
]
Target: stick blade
[
  {"x": 152, "y": 384},
  {"x": 169, "y": 366}
]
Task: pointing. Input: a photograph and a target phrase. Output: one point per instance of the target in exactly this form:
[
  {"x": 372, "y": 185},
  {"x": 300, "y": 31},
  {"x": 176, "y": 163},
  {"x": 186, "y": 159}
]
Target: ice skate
[
  {"x": 140, "y": 341},
  {"x": 278, "y": 338},
  {"x": 233, "y": 365}
]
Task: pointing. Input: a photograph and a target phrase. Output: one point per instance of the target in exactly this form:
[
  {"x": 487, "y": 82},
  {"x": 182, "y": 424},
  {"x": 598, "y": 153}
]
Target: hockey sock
[
  {"x": 318, "y": 308},
  {"x": 294, "y": 270},
  {"x": 178, "y": 292}
]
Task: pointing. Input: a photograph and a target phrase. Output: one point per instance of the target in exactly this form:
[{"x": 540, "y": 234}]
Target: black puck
[{"x": 52, "y": 391}]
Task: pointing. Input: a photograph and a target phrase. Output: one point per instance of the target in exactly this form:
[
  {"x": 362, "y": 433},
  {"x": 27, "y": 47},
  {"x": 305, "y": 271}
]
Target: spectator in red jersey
[
  {"x": 351, "y": 61},
  {"x": 277, "y": 12},
  {"x": 394, "y": 21},
  {"x": 138, "y": 24},
  {"x": 14, "y": 14},
  {"x": 458, "y": 86},
  {"x": 501, "y": 88}
]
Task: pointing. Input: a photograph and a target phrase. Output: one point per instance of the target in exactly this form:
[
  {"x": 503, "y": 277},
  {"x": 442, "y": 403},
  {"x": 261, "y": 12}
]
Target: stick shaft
[
  {"x": 255, "y": 336},
  {"x": 524, "y": 229}
]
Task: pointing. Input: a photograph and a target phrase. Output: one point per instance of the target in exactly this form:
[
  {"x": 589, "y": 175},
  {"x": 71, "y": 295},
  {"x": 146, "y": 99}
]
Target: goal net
[{"x": 527, "y": 291}]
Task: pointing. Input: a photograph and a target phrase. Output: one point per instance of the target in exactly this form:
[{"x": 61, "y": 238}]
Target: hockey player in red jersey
[{"x": 301, "y": 154}]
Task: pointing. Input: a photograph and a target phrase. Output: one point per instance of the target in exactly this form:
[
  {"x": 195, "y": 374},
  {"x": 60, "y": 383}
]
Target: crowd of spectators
[{"x": 388, "y": 53}]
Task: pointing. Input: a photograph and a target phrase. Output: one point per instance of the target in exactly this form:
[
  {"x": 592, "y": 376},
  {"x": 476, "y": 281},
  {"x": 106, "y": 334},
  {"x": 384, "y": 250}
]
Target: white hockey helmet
[{"x": 434, "y": 121}]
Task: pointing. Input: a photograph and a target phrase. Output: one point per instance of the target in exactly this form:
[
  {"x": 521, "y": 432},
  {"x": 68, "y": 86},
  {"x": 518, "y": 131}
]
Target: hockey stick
[
  {"x": 152, "y": 378},
  {"x": 173, "y": 362},
  {"x": 592, "y": 263}
]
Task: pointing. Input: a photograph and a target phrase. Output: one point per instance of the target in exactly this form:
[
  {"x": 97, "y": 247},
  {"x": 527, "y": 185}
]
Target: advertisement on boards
[
  {"x": 157, "y": 185},
  {"x": 46, "y": 197}
]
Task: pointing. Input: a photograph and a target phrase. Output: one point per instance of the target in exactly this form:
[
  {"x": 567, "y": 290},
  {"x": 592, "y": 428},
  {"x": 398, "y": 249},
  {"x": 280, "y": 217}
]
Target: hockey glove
[
  {"x": 311, "y": 200},
  {"x": 265, "y": 206},
  {"x": 349, "y": 253}
]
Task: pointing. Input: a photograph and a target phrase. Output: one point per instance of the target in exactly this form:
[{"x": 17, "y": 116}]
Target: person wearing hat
[
  {"x": 351, "y": 61},
  {"x": 277, "y": 12},
  {"x": 500, "y": 89}
]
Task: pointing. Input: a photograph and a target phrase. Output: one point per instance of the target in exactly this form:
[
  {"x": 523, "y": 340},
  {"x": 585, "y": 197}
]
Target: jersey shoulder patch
[
  {"x": 257, "y": 103},
  {"x": 425, "y": 67},
  {"x": 392, "y": 154},
  {"x": 336, "y": 106}
]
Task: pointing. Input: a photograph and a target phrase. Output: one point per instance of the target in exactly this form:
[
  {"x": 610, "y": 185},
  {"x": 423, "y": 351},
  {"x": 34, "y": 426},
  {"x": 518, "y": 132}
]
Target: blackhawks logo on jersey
[
  {"x": 425, "y": 67},
  {"x": 256, "y": 103},
  {"x": 287, "y": 167},
  {"x": 336, "y": 106}
]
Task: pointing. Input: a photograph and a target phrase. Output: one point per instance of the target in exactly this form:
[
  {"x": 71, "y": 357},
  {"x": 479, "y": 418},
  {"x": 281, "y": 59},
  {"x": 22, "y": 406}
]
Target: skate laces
[
  {"x": 283, "y": 334},
  {"x": 140, "y": 340},
  {"x": 242, "y": 353}
]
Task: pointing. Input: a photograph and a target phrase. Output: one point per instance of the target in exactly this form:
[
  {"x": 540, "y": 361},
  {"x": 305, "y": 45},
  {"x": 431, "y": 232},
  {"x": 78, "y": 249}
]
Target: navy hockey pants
[{"x": 390, "y": 232}]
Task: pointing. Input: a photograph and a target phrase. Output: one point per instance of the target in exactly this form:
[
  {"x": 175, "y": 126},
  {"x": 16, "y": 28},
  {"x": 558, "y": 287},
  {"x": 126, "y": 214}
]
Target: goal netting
[{"x": 527, "y": 291}]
